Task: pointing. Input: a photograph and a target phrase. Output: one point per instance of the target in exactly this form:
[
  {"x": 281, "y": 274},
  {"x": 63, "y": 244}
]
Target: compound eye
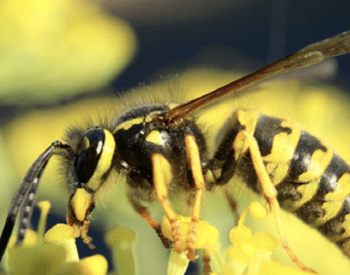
[{"x": 90, "y": 149}]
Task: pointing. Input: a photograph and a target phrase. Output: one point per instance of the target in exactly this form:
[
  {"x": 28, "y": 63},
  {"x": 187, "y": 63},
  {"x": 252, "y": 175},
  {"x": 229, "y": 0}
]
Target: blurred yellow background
[{"x": 58, "y": 50}]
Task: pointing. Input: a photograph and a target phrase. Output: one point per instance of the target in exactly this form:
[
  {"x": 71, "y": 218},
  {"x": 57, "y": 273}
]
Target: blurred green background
[{"x": 62, "y": 62}]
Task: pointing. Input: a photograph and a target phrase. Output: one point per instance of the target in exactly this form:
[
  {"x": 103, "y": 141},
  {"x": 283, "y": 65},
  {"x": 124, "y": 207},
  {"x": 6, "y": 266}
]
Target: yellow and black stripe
[{"x": 312, "y": 181}]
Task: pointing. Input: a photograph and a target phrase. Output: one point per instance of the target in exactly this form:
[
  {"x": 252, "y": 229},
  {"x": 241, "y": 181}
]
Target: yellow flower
[
  {"x": 207, "y": 235},
  {"x": 121, "y": 240},
  {"x": 251, "y": 254},
  {"x": 54, "y": 253}
]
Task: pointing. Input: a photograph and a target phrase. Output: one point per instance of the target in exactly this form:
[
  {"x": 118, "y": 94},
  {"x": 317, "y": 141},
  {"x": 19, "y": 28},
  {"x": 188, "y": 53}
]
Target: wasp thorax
[{"x": 94, "y": 157}]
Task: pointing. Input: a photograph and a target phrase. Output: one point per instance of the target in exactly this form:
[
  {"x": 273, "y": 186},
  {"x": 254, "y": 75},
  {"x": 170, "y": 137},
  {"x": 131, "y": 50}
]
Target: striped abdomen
[{"x": 312, "y": 181}]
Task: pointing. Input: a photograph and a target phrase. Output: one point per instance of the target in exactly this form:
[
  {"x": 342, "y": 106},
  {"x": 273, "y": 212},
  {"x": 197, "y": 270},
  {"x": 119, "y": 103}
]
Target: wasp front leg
[
  {"x": 144, "y": 213},
  {"x": 160, "y": 179}
]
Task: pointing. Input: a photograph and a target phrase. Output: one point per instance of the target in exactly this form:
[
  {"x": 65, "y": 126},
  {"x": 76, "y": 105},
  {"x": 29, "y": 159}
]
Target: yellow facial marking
[
  {"x": 319, "y": 163},
  {"x": 284, "y": 144},
  {"x": 104, "y": 162},
  {"x": 80, "y": 202}
]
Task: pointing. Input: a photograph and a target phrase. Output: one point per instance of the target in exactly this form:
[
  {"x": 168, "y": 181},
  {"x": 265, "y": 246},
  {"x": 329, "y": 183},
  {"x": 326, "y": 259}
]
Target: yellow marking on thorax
[
  {"x": 155, "y": 137},
  {"x": 284, "y": 144},
  {"x": 248, "y": 119},
  {"x": 342, "y": 190},
  {"x": 104, "y": 162},
  {"x": 148, "y": 118},
  {"x": 129, "y": 123},
  {"x": 319, "y": 163}
]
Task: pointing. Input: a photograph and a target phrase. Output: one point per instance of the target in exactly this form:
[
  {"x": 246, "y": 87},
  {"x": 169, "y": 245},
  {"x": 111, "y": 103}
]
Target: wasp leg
[
  {"x": 192, "y": 154},
  {"x": 144, "y": 213},
  {"x": 160, "y": 187},
  {"x": 206, "y": 260},
  {"x": 86, "y": 239},
  {"x": 269, "y": 192}
]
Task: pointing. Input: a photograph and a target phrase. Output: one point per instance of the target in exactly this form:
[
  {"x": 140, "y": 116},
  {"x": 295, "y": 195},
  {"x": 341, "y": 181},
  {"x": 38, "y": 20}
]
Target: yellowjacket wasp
[{"x": 160, "y": 149}]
